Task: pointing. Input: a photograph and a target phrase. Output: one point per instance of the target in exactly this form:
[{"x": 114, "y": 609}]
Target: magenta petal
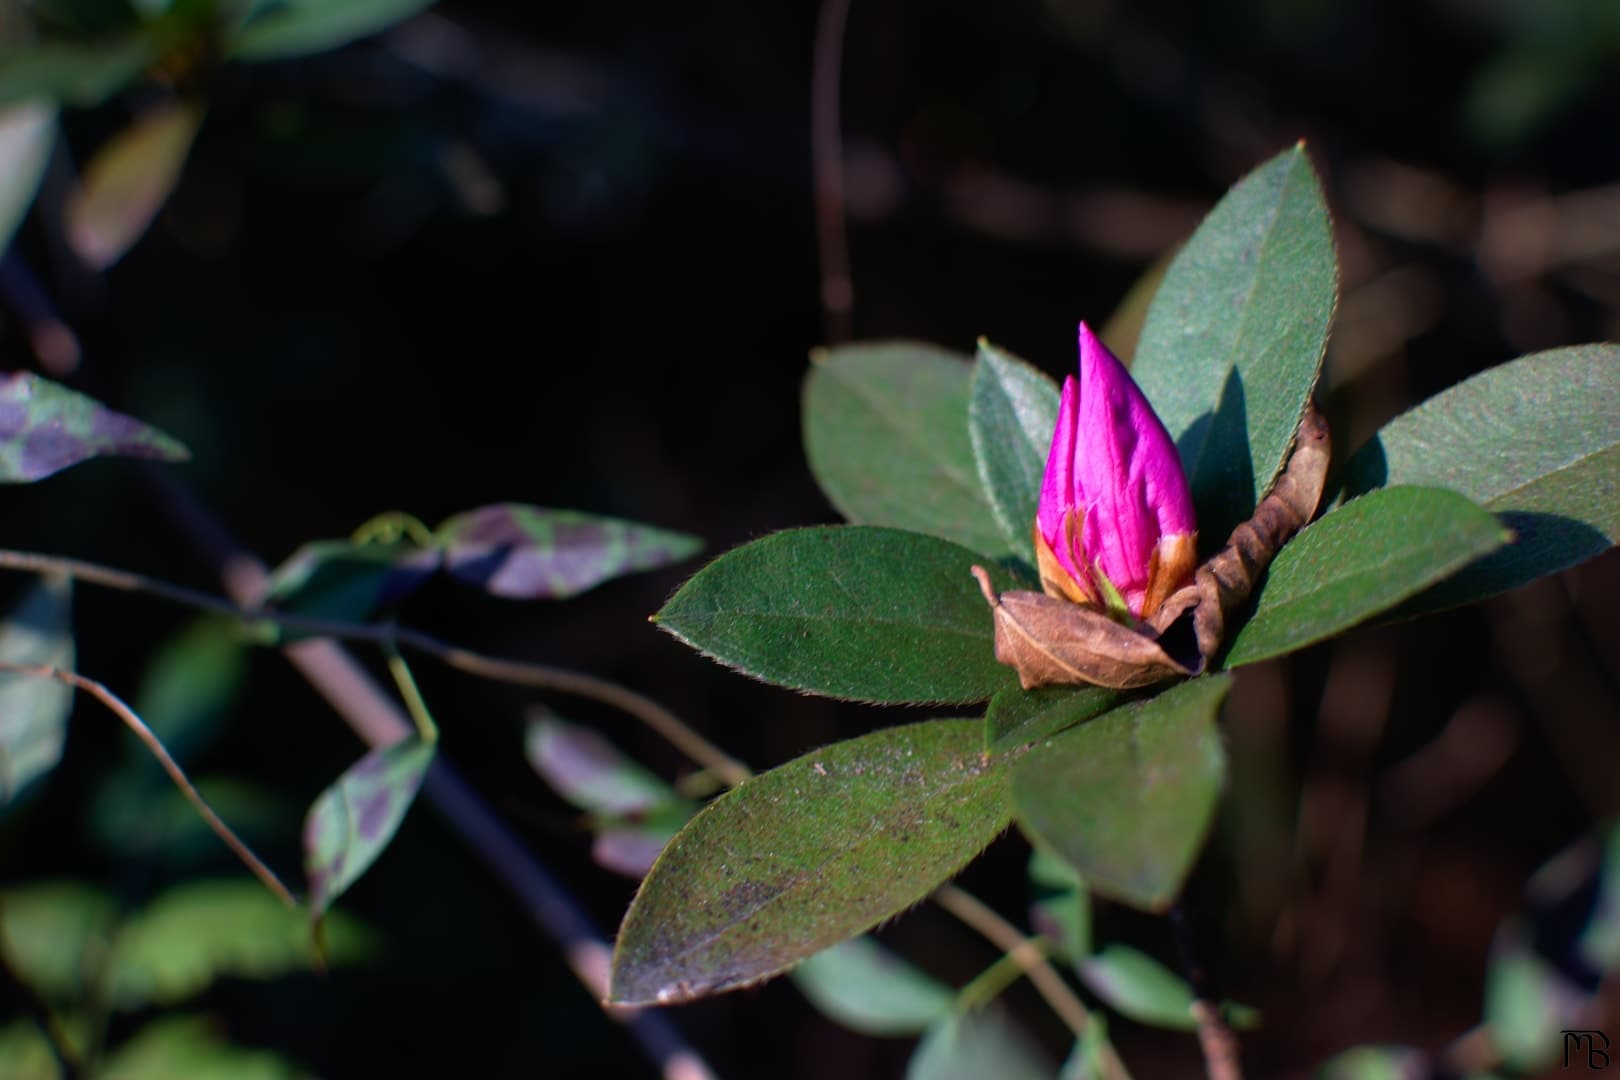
[{"x": 1059, "y": 494}]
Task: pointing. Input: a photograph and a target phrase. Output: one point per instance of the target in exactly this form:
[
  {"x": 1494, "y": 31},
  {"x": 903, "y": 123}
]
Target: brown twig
[{"x": 1216, "y": 1040}]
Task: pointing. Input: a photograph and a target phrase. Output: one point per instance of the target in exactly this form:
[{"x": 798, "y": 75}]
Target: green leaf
[
  {"x": 1061, "y": 909},
  {"x": 1017, "y": 717},
  {"x": 284, "y": 28},
  {"x": 1127, "y": 798},
  {"x": 352, "y": 821},
  {"x": 26, "y": 1054},
  {"x": 886, "y": 433},
  {"x": 55, "y": 935},
  {"x": 871, "y": 989},
  {"x": 1376, "y": 1063},
  {"x": 190, "y": 682},
  {"x": 1235, "y": 336},
  {"x": 808, "y": 855},
  {"x": 1536, "y": 441},
  {"x": 528, "y": 552},
  {"x": 1359, "y": 560},
  {"x": 340, "y": 579},
  {"x": 73, "y": 72},
  {"x": 180, "y": 943},
  {"x": 27, "y": 133},
  {"x": 1089, "y": 1060},
  {"x": 589, "y": 771},
  {"x": 190, "y": 1046},
  {"x": 45, "y": 427},
  {"x": 976, "y": 1045},
  {"x": 1142, "y": 989},
  {"x": 847, "y": 611},
  {"x": 1012, "y": 412},
  {"x": 127, "y": 181},
  {"x": 33, "y": 710}
]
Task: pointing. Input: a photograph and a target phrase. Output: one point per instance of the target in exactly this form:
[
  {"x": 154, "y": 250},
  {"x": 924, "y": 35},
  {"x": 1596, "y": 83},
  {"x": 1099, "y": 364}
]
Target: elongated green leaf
[
  {"x": 190, "y": 1046},
  {"x": 589, "y": 771},
  {"x": 848, "y": 611},
  {"x": 33, "y": 710},
  {"x": 340, "y": 579},
  {"x": 1061, "y": 908},
  {"x": 1128, "y": 797},
  {"x": 27, "y": 132},
  {"x": 284, "y": 28},
  {"x": 886, "y": 432},
  {"x": 189, "y": 684},
  {"x": 127, "y": 182},
  {"x": 26, "y": 1054},
  {"x": 975, "y": 1045},
  {"x": 808, "y": 855},
  {"x": 528, "y": 552},
  {"x": 55, "y": 934},
  {"x": 352, "y": 821},
  {"x": 72, "y": 72},
  {"x": 1235, "y": 336},
  {"x": 1359, "y": 560},
  {"x": 1012, "y": 412},
  {"x": 1376, "y": 1063},
  {"x": 1139, "y": 987},
  {"x": 1536, "y": 441},
  {"x": 45, "y": 427},
  {"x": 1017, "y": 717},
  {"x": 871, "y": 989}
]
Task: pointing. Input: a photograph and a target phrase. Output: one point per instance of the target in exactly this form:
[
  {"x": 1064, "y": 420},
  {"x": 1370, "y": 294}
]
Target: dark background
[{"x": 565, "y": 255}]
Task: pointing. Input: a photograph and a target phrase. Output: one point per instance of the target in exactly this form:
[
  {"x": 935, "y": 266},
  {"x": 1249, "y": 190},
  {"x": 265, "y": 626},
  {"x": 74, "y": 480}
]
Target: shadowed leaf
[
  {"x": 27, "y": 133},
  {"x": 808, "y": 855},
  {"x": 190, "y": 682},
  {"x": 976, "y": 1045},
  {"x": 871, "y": 989},
  {"x": 1061, "y": 908},
  {"x": 190, "y": 1046},
  {"x": 45, "y": 427},
  {"x": 352, "y": 821},
  {"x": 26, "y": 1054},
  {"x": 72, "y": 72},
  {"x": 1137, "y": 986},
  {"x": 340, "y": 579},
  {"x": 1012, "y": 413},
  {"x": 127, "y": 182},
  {"x": 286, "y": 28},
  {"x": 55, "y": 935},
  {"x": 33, "y": 710},
  {"x": 1017, "y": 717}
]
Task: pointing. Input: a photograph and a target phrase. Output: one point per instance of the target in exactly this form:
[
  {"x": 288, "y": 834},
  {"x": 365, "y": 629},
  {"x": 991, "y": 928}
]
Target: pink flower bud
[{"x": 1115, "y": 528}]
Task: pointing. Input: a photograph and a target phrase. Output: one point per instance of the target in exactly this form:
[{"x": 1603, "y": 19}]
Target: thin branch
[
  {"x": 1216, "y": 1040},
  {"x": 827, "y": 162},
  {"x": 121, "y": 710}
]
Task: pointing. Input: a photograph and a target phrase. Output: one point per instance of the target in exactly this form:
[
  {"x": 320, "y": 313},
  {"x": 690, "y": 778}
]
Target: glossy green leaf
[
  {"x": 886, "y": 433},
  {"x": 45, "y": 427},
  {"x": 127, "y": 181},
  {"x": 871, "y": 989},
  {"x": 1060, "y": 909},
  {"x": 1235, "y": 336},
  {"x": 34, "y": 710},
  {"x": 807, "y": 855},
  {"x": 340, "y": 579},
  {"x": 1128, "y": 797},
  {"x": 27, "y": 133},
  {"x": 1361, "y": 559},
  {"x": 1376, "y": 1063},
  {"x": 1017, "y": 717},
  {"x": 180, "y": 943},
  {"x": 72, "y": 72},
  {"x": 1012, "y": 412},
  {"x": 191, "y": 1046},
  {"x": 352, "y": 821},
  {"x": 285, "y": 28},
  {"x": 529, "y": 552},
  {"x": 26, "y": 1054},
  {"x": 847, "y": 611},
  {"x": 1536, "y": 441},
  {"x": 976, "y": 1045},
  {"x": 55, "y": 935}
]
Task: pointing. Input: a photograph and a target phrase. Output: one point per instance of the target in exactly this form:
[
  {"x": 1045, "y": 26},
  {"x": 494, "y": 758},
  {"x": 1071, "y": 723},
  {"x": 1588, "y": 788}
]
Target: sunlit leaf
[
  {"x": 127, "y": 182},
  {"x": 975, "y": 1045},
  {"x": 871, "y": 989},
  {"x": 352, "y": 821},
  {"x": 56, "y": 933},
  {"x": 34, "y": 710},
  {"x": 27, "y": 133},
  {"x": 191, "y": 1047},
  {"x": 283, "y": 28},
  {"x": 1012, "y": 412},
  {"x": 45, "y": 427}
]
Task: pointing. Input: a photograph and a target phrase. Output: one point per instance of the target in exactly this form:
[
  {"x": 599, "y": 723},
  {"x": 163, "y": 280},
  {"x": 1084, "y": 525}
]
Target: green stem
[{"x": 415, "y": 704}]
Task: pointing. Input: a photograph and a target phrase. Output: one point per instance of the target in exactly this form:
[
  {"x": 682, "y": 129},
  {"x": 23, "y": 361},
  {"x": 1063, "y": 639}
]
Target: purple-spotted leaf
[
  {"x": 339, "y": 579},
  {"x": 352, "y": 821},
  {"x": 808, "y": 855},
  {"x": 871, "y": 989},
  {"x": 34, "y": 711},
  {"x": 45, "y": 427},
  {"x": 127, "y": 182},
  {"x": 528, "y": 552}
]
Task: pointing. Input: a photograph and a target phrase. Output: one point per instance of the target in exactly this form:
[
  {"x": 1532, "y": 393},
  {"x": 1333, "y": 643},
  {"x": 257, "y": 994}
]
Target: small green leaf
[
  {"x": 27, "y": 133},
  {"x": 56, "y": 933},
  {"x": 1376, "y": 1063},
  {"x": 886, "y": 433},
  {"x": 127, "y": 181},
  {"x": 1017, "y": 717},
  {"x": 340, "y": 579},
  {"x": 190, "y": 682},
  {"x": 528, "y": 552},
  {"x": 975, "y": 1045},
  {"x": 1359, "y": 560},
  {"x": 1235, "y": 336},
  {"x": 1128, "y": 797},
  {"x": 808, "y": 855},
  {"x": 73, "y": 72},
  {"x": 871, "y": 989},
  {"x": 1089, "y": 1060},
  {"x": 45, "y": 427},
  {"x": 1012, "y": 412},
  {"x": 34, "y": 710},
  {"x": 847, "y": 611},
  {"x": 1536, "y": 441},
  {"x": 180, "y": 943},
  {"x": 1061, "y": 909},
  {"x": 278, "y": 29},
  {"x": 190, "y": 1046},
  {"x": 1142, "y": 989},
  {"x": 352, "y": 821}
]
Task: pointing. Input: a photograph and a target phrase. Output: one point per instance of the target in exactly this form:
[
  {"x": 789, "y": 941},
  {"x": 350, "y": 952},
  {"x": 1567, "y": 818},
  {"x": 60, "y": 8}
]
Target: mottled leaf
[
  {"x": 1060, "y": 909},
  {"x": 886, "y": 434},
  {"x": 589, "y": 771},
  {"x": 72, "y": 72},
  {"x": 1361, "y": 559},
  {"x": 352, "y": 821},
  {"x": 284, "y": 28},
  {"x": 27, "y": 133},
  {"x": 1235, "y": 335},
  {"x": 871, "y": 989},
  {"x": 45, "y": 427},
  {"x": 33, "y": 710},
  {"x": 127, "y": 182},
  {"x": 808, "y": 855},
  {"x": 1536, "y": 441},
  {"x": 1012, "y": 412},
  {"x": 55, "y": 935},
  {"x": 1017, "y": 717},
  {"x": 527, "y": 552},
  {"x": 180, "y": 943},
  {"x": 975, "y": 1045},
  {"x": 1128, "y": 797},
  {"x": 340, "y": 579},
  {"x": 191, "y": 1046}
]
